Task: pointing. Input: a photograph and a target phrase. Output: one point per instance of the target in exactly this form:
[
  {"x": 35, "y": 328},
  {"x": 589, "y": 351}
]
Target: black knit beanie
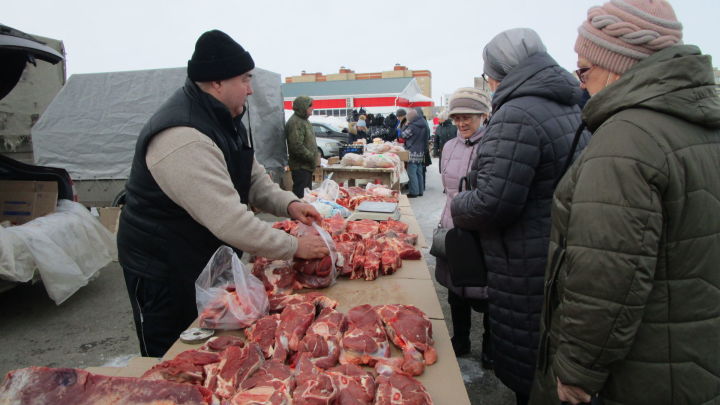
[{"x": 218, "y": 57}]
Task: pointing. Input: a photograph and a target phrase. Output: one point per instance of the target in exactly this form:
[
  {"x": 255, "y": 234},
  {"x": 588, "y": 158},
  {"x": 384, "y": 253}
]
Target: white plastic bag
[
  {"x": 379, "y": 190},
  {"x": 227, "y": 295},
  {"x": 328, "y": 190},
  {"x": 381, "y": 160},
  {"x": 352, "y": 159},
  {"x": 67, "y": 247}
]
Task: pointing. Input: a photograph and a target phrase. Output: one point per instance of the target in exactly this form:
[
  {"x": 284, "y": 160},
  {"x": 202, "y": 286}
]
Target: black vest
[{"x": 156, "y": 237}]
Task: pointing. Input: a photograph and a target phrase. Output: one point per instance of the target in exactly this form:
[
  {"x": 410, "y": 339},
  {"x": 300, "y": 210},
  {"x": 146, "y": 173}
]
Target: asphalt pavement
[{"x": 94, "y": 327}]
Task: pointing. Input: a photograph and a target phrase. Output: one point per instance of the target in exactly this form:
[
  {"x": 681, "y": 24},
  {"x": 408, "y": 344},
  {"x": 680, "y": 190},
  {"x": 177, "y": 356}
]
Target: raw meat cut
[
  {"x": 345, "y": 252},
  {"x": 399, "y": 389},
  {"x": 236, "y": 365},
  {"x": 263, "y": 333},
  {"x": 410, "y": 330},
  {"x": 373, "y": 257},
  {"x": 322, "y": 339},
  {"x": 358, "y": 261},
  {"x": 279, "y": 302},
  {"x": 347, "y": 237},
  {"x": 315, "y": 273},
  {"x": 288, "y": 226},
  {"x": 334, "y": 225},
  {"x": 390, "y": 262},
  {"x": 365, "y": 340},
  {"x": 366, "y": 228},
  {"x": 272, "y": 383},
  {"x": 186, "y": 367},
  {"x": 405, "y": 250},
  {"x": 220, "y": 343},
  {"x": 313, "y": 386},
  {"x": 397, "y": 226},
  {"x": 354, "y": 385},
  {"x": 294, "y": 321},
  {"x": 277, "y": 276},
  {"x": 68, "y": 386}
]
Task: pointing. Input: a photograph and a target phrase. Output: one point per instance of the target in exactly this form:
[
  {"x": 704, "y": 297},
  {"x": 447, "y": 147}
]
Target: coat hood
[
  {"x": 677, "y": 81},
  {"x": 538, "y": 75},
  {"x": 300, "y": 106}
]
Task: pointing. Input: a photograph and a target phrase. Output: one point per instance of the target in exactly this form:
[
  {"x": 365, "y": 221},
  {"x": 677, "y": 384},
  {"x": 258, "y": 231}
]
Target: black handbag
[{"x": 463, "y": 252}]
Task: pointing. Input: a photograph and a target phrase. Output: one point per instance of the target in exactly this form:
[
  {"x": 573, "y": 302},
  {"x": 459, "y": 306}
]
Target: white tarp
[
  {"x": 66, "y": 247},
  {"x": 91, "y": 127}
]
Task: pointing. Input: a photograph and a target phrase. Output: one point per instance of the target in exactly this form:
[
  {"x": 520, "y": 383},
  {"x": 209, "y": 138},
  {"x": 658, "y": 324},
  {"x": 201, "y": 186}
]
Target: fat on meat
[
  {"x": 280, "y": 301},
  {"x": 399, "y": 389}
]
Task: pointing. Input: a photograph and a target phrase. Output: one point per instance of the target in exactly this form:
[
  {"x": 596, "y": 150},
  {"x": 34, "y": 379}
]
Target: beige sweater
[{"x": 192, "y": 171}]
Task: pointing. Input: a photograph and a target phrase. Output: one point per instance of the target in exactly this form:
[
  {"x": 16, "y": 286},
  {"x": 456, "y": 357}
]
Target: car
[
  {"x": 328, "y": 147},
  {"x": 329, "y": 131}
]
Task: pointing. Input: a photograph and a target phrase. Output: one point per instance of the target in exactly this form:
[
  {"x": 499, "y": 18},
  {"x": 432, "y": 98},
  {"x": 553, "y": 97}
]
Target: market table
[
  {"x": 412, "y": 284},
  {"x": 343, "y": 174}
]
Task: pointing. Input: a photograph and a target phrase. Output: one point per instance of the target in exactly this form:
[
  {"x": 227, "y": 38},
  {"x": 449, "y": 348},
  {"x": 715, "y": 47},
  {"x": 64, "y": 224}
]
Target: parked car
[
  {"x": 328, "y": 147},
  {"x": 325, "y": 130}
]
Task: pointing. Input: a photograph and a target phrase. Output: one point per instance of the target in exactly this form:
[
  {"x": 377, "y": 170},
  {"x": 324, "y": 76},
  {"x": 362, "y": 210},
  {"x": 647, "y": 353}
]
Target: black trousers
[
  {"x": 161, "y": 311},
  {"x": 302, "y": 179},
  {"x": 461, "y": 312}
]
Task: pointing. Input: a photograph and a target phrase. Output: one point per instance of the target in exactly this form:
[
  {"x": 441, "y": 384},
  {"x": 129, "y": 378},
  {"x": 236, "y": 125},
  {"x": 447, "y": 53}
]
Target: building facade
[{"x": 377, "y": 92}]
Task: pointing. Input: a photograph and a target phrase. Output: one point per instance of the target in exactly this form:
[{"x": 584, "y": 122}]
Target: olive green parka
[
  {"x": 632, "y": 292},
  {"x": 302, "y": 146}
]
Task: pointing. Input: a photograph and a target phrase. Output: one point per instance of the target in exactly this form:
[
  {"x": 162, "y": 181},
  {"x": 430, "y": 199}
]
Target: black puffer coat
[{"x": 523, "y": 151}]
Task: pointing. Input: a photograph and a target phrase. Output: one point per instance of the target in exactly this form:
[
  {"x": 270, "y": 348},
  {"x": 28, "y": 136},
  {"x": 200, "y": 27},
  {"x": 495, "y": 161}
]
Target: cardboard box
[
  {"x": 318, "y": 175},
  {"x": 333, "y": 160},
  {"x": 22, "y": 201},
  {"x": 110, "y": 217},
  {"x": 404, "y": 155}
]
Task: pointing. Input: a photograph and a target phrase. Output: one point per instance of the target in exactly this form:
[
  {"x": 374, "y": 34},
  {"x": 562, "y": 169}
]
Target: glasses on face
[{"x": 582, "y": 72}]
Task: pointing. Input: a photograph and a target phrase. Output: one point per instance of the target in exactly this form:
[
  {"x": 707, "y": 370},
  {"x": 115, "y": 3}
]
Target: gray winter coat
[{"x": 519, "y": 158}]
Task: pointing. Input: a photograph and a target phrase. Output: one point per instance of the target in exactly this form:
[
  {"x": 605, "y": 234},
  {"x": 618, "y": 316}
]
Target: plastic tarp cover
[
  {"x": 91, "y": 127},
  {"x": 66, "y": 247}
]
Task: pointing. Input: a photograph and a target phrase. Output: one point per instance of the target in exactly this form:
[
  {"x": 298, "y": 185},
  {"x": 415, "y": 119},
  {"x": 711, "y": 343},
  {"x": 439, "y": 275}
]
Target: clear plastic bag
[
  {"x": 328, "y": 190},
  {"x": 378, "y": 148},
  {"x": 227, "y": 295},
  {"x": 382, "y": 160},
  {"x": 379, "y": 190},
  {"x": 317, "y": 273},
  {"x": 352, "y": 159}
]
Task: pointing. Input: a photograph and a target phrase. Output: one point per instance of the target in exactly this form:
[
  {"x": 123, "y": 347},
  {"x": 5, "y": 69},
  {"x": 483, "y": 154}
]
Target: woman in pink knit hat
[{"x": 631, "y": 309}]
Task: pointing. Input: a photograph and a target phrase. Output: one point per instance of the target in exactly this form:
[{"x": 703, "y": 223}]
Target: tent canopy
[{"x": 91, "y": 127}]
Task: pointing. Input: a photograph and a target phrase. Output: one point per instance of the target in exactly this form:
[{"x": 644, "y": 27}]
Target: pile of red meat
[
  {"x": 365, "y": 249},
  {"x": 351, "y": 197},
  {"x": 306, "y": 352}
]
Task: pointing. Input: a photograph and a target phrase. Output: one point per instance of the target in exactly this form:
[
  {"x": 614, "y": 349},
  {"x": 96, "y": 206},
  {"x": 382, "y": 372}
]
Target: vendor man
[{"x": 192, "y": 178}]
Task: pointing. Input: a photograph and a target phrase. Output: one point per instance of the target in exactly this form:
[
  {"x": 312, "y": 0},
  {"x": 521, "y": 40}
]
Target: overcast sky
[{"x": 288, "y": 36}]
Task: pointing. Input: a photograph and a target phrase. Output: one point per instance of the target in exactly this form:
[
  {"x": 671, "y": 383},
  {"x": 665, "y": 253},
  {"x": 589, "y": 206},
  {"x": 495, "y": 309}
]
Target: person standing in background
[
  {"x": 416, "y": 134},
  {"x": 302, "y": 145},
  {"x": 444, "y": 132},
  {"x": 470, "y": 108}
]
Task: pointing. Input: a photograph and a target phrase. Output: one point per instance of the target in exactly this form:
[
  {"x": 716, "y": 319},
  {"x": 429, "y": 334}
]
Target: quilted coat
[
  {"x": 632, "y": 302},
  {"x": 523, "y": 151}
]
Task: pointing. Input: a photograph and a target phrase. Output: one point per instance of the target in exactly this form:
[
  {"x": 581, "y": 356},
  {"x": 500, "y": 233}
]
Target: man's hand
[
  {"x": 572, "y": 394},
  {"x": 304, "y": 213},
  {"x": 311, "y": 247}
]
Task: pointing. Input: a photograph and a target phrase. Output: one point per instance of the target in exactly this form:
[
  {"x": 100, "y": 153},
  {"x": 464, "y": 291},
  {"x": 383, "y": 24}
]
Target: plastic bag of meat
[
  {"x": 352, "y": 159},
  {"x": 381, "y": 160},
  {"x": 227, "y": 295},
  {"x": 379, "y": 190},
  {"x": 317, "y": 273}
]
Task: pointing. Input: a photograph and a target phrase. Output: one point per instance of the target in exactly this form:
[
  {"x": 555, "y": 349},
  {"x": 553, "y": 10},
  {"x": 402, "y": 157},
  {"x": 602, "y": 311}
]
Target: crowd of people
[{"x": 593, "y": 199}]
